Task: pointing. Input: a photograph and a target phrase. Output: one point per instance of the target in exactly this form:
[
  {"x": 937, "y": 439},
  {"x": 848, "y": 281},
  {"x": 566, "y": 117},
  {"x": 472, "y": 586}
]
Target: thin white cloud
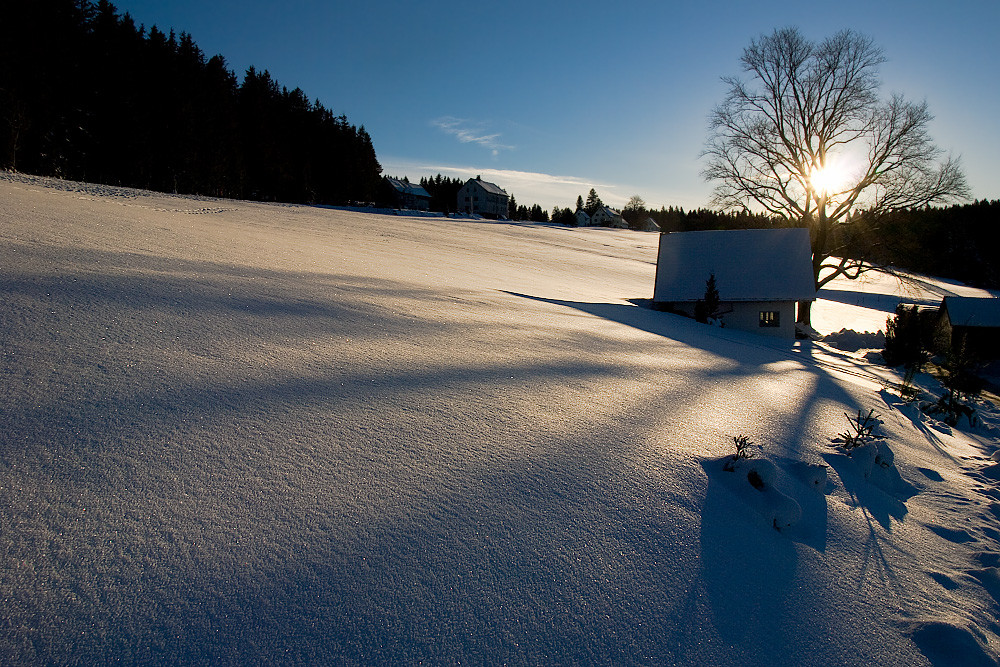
[{"x": 469, "y": 132}]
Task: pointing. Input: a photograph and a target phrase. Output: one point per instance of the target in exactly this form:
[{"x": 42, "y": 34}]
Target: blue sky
[{"x": 549, "y": 99}]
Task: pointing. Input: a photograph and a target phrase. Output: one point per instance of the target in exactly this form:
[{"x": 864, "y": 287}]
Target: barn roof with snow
[
  {"x": 405, "y": 187},
  {"x": 492, "y": 188},
  {"x": 749, "y": 265},
  {"x": 970, "y": 311}
]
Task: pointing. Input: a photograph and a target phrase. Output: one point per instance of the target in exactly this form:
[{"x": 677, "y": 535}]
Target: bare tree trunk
[{"x": 805, "y": 313}]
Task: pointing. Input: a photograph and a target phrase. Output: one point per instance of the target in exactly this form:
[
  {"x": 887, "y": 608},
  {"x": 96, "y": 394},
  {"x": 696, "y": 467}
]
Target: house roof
[
  {"x": 971, "y": 311},
  {"x": 492, "y": 188},
  {"x": 408, "y": 188},
  {"x": 749, "y": 265}
]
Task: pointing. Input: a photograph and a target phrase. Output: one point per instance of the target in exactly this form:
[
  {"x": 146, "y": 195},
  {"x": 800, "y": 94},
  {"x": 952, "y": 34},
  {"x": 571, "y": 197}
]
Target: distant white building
[
  {"x": 479, "y": 197},
  {"x": 409, "y": 195},
  {"x": 582, "y": 218},
  {"x": 760, "y": 274},
  {"x": 608, "y": 217}
]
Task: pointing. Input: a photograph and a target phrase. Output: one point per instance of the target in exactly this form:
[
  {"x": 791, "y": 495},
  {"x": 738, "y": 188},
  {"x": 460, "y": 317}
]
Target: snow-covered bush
[
  {"x": 778, "y": 509},
  {"x": 877, "y": 463},
  {"x": 951, "y": 408},
  {"x": 962, "y": 387}
]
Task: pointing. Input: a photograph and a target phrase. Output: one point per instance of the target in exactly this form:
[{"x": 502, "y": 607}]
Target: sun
[{"x": 828, "y": 179}]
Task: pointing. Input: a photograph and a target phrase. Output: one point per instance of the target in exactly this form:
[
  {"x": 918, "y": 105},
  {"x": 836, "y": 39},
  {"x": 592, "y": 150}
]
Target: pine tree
[
  {"x": 181, "y": 124},
  {"x": 593, "y": 202},
  {"x": 707, "y": 307}
]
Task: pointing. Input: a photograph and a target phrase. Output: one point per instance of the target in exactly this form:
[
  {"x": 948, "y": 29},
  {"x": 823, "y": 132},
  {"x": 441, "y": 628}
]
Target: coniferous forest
[
  {"x": 961, "y": 242},
  {"x": 85, "y": 94}
]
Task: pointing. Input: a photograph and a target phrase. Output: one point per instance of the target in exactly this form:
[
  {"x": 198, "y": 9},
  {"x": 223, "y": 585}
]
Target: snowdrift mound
[{"x": 849, "y": 340}]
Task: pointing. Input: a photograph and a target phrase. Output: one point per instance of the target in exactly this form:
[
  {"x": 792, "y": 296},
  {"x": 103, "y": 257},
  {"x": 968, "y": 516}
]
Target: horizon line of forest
[{"x": 167, "y": 118}]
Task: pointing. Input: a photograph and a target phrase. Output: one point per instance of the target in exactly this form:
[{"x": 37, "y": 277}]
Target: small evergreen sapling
[
  {"x": 907, "y": 390},
  {"x": 862, "y": 430},
  {"x": 707, "y": 308}
]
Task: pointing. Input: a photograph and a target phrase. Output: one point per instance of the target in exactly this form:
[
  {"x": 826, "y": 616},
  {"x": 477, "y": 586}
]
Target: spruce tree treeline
[
  {"x": 958, "y": 242},
  {"x": 86, "y": 95},
  {"x": 671, "y": 219},
  {"x": 443, "y": 191}
]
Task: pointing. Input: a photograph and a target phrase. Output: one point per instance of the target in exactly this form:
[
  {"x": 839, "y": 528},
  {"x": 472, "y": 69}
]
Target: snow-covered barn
[
  {"x": 974, "y": 322},
  {"x": 760, "y": 274}
]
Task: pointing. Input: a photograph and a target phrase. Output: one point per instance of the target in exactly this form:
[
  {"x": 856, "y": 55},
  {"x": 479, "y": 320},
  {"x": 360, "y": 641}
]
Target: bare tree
[
  {"x": 634, "y": 210},
  {"x": 809, "y": 138}
]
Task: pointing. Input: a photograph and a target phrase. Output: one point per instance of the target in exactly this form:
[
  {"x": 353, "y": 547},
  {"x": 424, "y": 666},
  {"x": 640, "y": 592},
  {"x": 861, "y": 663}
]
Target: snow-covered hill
[{"x": 236, "y": 432}]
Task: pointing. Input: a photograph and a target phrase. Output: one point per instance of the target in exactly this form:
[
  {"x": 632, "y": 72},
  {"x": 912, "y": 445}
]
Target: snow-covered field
[{"x": 233, "y": 432}]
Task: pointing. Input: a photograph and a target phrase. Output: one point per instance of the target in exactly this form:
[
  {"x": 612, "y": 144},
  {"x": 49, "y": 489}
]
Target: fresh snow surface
[{"x": 234, "y": 432}]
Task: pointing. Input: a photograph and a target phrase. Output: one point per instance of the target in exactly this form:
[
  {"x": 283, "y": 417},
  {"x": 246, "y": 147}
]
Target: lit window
[{"x": 770, "y": 318}]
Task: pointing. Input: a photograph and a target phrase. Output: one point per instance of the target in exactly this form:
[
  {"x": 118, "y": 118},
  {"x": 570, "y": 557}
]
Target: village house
[
  {"x": 410, "y": 196},
  {"x": 582, "y": 218},
  {"x": 608, "y": 217},
  {"x": 760, "y": 274},
  {"x": 972, "y": 322},
  {"x": 648, "y": 225},
  {"x": 479, "y": 197}
]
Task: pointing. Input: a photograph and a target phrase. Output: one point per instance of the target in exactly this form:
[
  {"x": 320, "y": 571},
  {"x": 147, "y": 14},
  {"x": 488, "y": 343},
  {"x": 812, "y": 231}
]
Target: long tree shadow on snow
[
  {"x": 720, "y": 342},
  {"x": 722, "y": 544},
  {"x": 873, "y": 301}
]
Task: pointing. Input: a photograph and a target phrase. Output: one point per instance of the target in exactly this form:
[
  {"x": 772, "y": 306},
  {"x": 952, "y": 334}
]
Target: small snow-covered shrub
[
  {"x": 962, "y": 387},
  {"x": 760, "y": 472},
  {"x": 815, "y": 476},
  {"x": 861, "y": 431},
  {"x": 951, "y": 408},
  {"x": 876, "y": 462},
  {"x": 760, "y": 491},
  {"x": 745, "y": 449},
  {"x": 872, "y": 457},
  {"x": 778, "y": 509}
]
